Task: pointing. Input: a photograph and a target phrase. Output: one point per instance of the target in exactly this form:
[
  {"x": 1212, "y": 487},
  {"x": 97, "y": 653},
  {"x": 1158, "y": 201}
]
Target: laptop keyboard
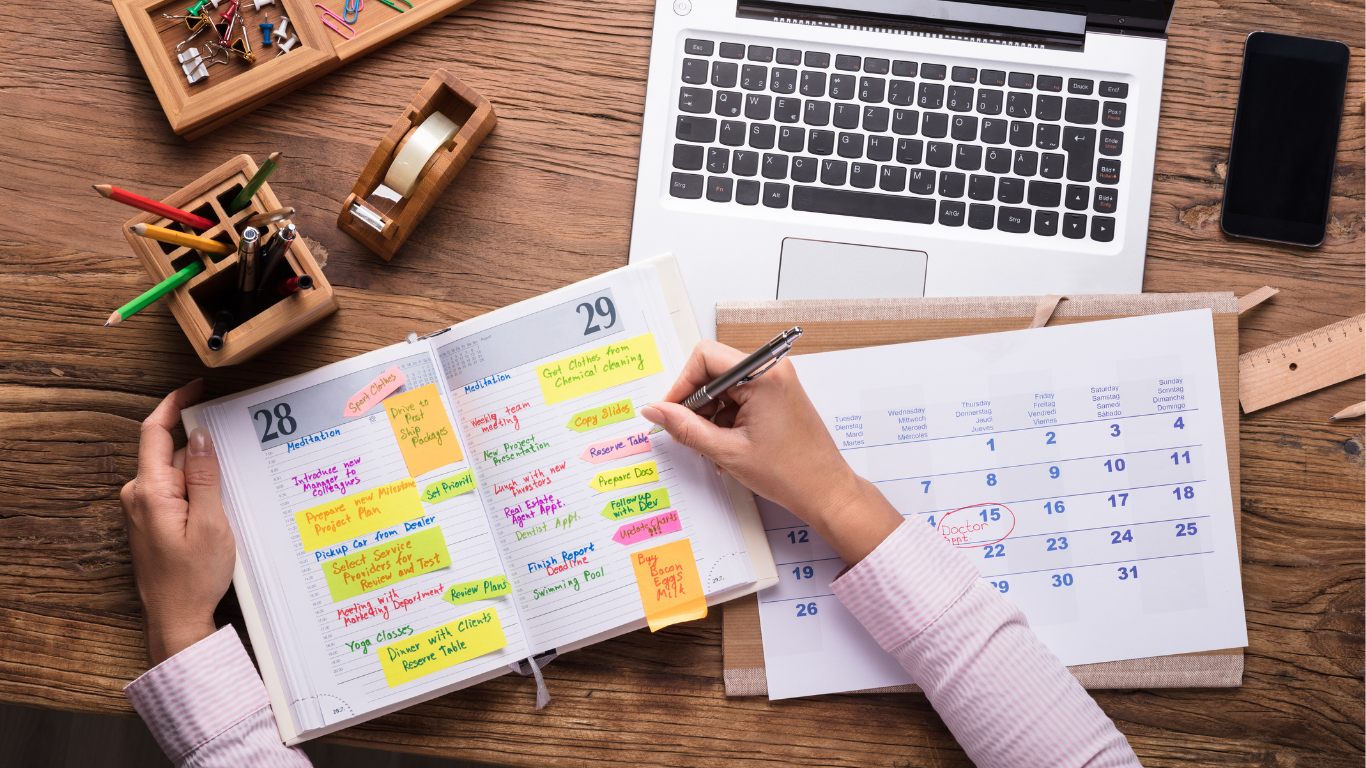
[{"x": 917, "y": 141}]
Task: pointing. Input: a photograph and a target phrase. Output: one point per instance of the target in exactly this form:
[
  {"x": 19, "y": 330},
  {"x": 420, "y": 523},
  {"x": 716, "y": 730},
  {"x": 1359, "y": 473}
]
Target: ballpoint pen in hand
[{"x": 745, "y": 371}]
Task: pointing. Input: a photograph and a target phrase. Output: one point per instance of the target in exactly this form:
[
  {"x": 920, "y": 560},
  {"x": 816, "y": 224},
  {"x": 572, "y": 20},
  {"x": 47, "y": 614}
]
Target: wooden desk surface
[{"x": 547, "y": 201}]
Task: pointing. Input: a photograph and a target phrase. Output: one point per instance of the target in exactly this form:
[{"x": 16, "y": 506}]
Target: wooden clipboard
[{"x": 847, "y": 324}]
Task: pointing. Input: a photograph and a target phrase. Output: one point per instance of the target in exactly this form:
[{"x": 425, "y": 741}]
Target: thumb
[
  {"x": 201, "y": 479},
  {"x": 694, "y": 431}
]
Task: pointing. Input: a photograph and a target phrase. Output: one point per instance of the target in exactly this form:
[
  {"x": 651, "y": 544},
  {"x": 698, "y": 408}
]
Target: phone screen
[{"x": 1285, "y": 138}]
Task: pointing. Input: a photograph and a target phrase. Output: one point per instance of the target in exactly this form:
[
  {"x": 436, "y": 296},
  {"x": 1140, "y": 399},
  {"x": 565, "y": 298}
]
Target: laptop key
[
  {"x": 834, "y": 172},
  {"x": 1102, "y": 229},
  {"x": 964, "y": 128},
  {"x": 843, "y": 87},
  {"x": 876, "y": 66},
  {"x": 699, "y": 130},
  {"x": 733, "y": 133},
  {"x": 1083, "y": 111},
  {"x": 1080, "y": 87},
  {"x": 1021, "y": 80},
  {"x": 850, "y": 145},
  {"x": 694, "y": 47},
  {"x": 892, "y": 178},
  {"x": 981, "y": 215},
  {"x": 788, "y": 56},
  {"x": 760, "y": 53},
  {"x": 804, "y": 169},
  {"x": 933, "y": 71},
  {"x": 747, "y": 192},
  {"x": 1048, "y": 107},
  {"x": 725, "y": 74},
  {"x": 935, "y": 125},
  {"x": 686, "y": 185},
  {"x": 875, "y": 119},
  {"x": 1048, "y": 136},
  {"x": 868, "y": 205},
  {"x": 905, "y": 122},
  {"x": 784, "y": 80},
  {"x": 997, "y": 160},
  {"x": 901, "y": 93},
  {"x": 1045, "y": 194},
  {"x": 791, "y": 138},
  {"x": 880, "y": 148},
  {"x": 1113, "y": 114},
  {"x": 820, "y": 142},
  {"x": 718, "y": 160},
  {"x": 846, "y": 115},
  {"x": 753, "y": 77},
  {"x": 775, "y": 194},
  {"x": 951, "y": 184},
  {"x": 939, "y": 154},
  {"x": 1011, "y": 190},
  {"x": 965, "y": 74},
  {"x": 729, "y": 104},
  {"x": 1021, "y": 133},
  {"x": 960, "y": 98},
  {"x": 1051, "y": 165},
  {"x": 989, "y": 101},
  {"x": 762, "y": 136},
  {"x": 813, "y": 84},
  {"x": 870, "y": 89},
  {"x": 1046, "y": 223},
  {"x": 1105, "y": 201},
  {"x": 1019, "y": 104},
  {"x": 931, "y": 95},
  {"x": 982, "y": 187},
  {"x": 1050, "y": 83},
  {"x": 994, "y": 131},
  {"x": 920, "y": 181},
  {"x": 1014, "y": 220},
  {"x": 1080, "y": 146},
  {"x": 903, "y": 68},
  {"x": 951, "y": 214},
  {"x": 732, "y": 51},
  {"x": 816, "y": 113},
  {"x": 968, "y": 158},
  {"x": 787, "y": 110},
  {"x": 1026, "y": 162},
  {"x": 758, "y": 106},
  {"x": 1077, "y": 197},
  {"x": 1114, "y": 90},
  {"x": 991, "y": 77},
  {"x": 847, "y": 63},
  {"x": 688, "y": 157},
  {"x": 719, "y": 188},
  {"x": 817, "y": 59},
  {"x": 863, "y": 175},
  {"x": 695, "y": 71},
  {"x": 744, "y": 163},
  {"x": 1074, "y": 226},
  {"x": 1107, "y": 171},
  {"x": 774, "y": 166},
  {"x": 908, "y": 151},
  {"x": 1111, "y": 143}
]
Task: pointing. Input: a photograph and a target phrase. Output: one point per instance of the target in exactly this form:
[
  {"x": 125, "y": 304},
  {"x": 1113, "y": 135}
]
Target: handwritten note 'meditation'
[
  {"x": 599, "y": 369},
  {"x": 423, "y": 430}
]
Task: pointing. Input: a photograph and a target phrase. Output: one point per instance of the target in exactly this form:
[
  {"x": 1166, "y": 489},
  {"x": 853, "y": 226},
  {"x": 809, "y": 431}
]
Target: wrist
[{"x": 166, "y": 636}]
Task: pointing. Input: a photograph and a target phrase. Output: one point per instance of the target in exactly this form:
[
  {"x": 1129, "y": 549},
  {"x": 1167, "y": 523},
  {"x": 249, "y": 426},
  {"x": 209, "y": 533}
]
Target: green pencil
[
  {"x": 160, "y": 289},
  {"x": 262, "y": 173}
]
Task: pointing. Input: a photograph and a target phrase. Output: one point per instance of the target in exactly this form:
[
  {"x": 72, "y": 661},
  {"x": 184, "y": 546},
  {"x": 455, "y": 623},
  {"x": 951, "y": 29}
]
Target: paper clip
[
  {"x": 328, "y": 16},
  {"x": 351, "y": 10},
  {"x": 395, "y": 7}
]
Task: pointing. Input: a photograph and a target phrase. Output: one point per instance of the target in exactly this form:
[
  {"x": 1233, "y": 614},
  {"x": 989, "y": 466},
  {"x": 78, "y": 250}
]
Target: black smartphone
[{"x": 1285, "y": 138}]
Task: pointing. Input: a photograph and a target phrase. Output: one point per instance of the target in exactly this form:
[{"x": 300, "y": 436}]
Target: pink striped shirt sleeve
[
  {"x": 1006, "y": 697},
  {"x": 207, "y": 707}
]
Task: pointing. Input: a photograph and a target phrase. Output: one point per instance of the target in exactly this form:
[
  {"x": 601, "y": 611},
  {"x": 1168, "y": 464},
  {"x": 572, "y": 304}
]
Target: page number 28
[
  {"x": 287, "y": 423},
  {"x": 603, "y": 307}
]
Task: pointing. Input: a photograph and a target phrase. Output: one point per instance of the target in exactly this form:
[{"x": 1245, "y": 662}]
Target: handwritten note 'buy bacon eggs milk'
[{"x": 416, "y": 519}]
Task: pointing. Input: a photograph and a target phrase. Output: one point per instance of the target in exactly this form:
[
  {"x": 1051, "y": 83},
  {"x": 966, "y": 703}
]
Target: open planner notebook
[{"x": 419, "y": 518}]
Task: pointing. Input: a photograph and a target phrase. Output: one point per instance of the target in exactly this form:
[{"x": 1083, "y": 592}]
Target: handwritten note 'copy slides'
[
  {"x": 599, "y": 369},
  {"x": 601, "y": 416},
  {"x": 442, "y": 647},
  {"x": 643, "y": 530},
  {"x": 625, "y": 477},
  {"x": 385, "y": 564},
  {"x": 358, "y": 514},
  {"x": 617, "y": 447},
  {"x": 636, "y": 504},
  {"x": 423, "y": 430},
  {"x": 385, "y": 384},
  {"x": 670, "y": 586}
]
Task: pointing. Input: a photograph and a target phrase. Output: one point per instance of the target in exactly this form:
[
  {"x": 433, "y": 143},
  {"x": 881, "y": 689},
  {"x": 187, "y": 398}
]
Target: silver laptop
[{"x": 893, "y": 148}]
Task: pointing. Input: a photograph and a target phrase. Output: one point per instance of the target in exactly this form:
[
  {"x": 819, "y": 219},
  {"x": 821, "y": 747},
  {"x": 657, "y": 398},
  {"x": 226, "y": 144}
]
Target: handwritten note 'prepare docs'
[
  {"x": 442, "y": 647},
  {"x": 598, "y": 369},
  {"x": 625, "y": 477},
  {"x": 670, "y": 586},
  {"x": 423, "y": 430},
  {"x": 384, "y": 564},
  {"x": 359, "y": 513}
]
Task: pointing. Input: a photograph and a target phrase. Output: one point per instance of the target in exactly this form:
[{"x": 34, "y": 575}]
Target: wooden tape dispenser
[{"x": 414, "y": 162}]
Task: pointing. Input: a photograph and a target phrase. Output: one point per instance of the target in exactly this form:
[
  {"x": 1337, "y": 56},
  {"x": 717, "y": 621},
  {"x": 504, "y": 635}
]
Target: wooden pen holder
[
  {"x": 195, "y": 303},
  {"x": 442, "y": 93}
]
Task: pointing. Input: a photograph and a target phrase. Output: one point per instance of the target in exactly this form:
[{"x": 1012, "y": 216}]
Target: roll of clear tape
[{"x": 406, "y": 170}]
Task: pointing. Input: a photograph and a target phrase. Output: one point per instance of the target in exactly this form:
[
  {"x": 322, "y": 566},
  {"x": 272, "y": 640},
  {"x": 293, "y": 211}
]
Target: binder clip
[
  {"x": 265, "y": 30},
  {"x": 242, "y": 48},
  {"x": 351, "y": 10},
  {"x": 226, "y": 22},
  {"x": 193, "y": 65},
  {"x": 195, "y": 21},
  {"x": 328, "y": 16}
]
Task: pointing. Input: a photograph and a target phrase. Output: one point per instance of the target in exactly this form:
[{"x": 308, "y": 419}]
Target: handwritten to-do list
[
  {"x": 423, "y": 430},
  {"x": 670, "y": 587},
  {"x": 1081, "y": 468}
]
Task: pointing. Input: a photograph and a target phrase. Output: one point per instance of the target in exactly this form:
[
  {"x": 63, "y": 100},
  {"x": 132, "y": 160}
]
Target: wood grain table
[{"x": 547, "y": 201}]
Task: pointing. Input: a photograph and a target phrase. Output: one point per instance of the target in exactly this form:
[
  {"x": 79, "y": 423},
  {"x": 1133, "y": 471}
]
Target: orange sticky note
[
  {"x": 423, "y": 430},
  {"x": 670, "y": 586}
]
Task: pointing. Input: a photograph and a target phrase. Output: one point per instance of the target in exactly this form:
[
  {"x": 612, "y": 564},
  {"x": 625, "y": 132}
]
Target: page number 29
[{"x": 603, "y": 307}]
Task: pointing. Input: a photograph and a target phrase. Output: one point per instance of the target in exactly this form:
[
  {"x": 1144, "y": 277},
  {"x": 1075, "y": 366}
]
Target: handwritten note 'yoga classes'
[
  {"x": 442, "y": 647},
  {"x": 670, "y": 586},
  {"x": 423, "y": 430},
  {"x": 384, "y": 564},
  {"x": 598, "y": 369},
  {"x": 359, "y": 513}
]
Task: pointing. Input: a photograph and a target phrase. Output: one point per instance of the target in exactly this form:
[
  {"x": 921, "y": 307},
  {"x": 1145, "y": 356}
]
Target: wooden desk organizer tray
[
  {"x": 195, "y": 303},
  {"x": 394, "y": 224},
  {"x": 232, "y": 90}
]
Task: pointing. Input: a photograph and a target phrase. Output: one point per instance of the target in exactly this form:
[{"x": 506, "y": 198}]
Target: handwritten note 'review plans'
[
  {"x": 450, "y": 487},
  {"x": 479, "y": 589},
  {"x": 396, "y": 560},
  {"x": 358, "y": 514},
  {"x": 442, "y": 647},
  {"x": 598, "y": 369},
  {"x": 670, "y": 586},
  {"x": 423, "y": 430}
]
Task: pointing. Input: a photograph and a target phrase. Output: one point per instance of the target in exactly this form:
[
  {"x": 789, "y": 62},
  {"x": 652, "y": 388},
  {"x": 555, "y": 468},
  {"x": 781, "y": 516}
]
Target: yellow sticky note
[
  {"x": 624, "y": 477},
  {"x": 442, "y": 647},
  {"x": 599, "y": 369},
  {"x": 456, "y": 485},
  {"x": 602, "y": 415},
  {"x": 358, "y": 514},
  {"x": 670, "y": 586},
  {"x": 423, "y": 430},
  {"x": 387, "y": 563},
  {"x": 479, "y": 589}
]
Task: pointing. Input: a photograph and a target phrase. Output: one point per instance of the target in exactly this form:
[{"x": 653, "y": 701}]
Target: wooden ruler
[{"x": 1297, "y": 366}]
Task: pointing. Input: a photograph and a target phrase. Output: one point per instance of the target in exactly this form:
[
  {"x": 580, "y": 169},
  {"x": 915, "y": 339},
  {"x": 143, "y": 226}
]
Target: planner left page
[{"x": 369, "y": 553}]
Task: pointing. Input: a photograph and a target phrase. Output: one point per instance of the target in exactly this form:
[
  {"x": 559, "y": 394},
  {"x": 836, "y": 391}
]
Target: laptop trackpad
[{"x": 816, "y": 269}]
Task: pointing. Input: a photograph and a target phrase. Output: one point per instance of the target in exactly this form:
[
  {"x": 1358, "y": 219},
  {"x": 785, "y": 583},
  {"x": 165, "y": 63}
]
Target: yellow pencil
[
  {"x": 1350, "y": 412},
  {"x": 176, "y": 237}
]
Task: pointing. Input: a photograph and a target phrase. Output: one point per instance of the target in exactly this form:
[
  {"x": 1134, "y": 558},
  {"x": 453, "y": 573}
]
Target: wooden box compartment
[
  {"x": 235, "y": 89},
  {"x": 195, "y": 303}
]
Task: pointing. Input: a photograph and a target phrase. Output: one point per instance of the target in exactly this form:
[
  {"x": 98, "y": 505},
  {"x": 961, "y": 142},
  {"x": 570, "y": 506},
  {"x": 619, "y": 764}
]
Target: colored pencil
[
  {"x": 160, "y": 289},
  {"x": 262, "y": 173},
  {"x": 270, "y": 217},
  {"x": 152, "y": 206},
  {"x": 1350, "y": 412},
  {"x": 175, "y": 237}
]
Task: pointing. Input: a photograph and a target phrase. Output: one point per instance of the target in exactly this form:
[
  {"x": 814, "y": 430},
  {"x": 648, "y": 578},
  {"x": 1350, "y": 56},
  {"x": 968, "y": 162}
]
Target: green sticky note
[
  {"x": 637, "y": 504},
  {"x": 385, "y": 564},
  {"x": 449, "y": 488},
  {"x": 601, "y": 416},
  {"x": 479, "y": 589}
]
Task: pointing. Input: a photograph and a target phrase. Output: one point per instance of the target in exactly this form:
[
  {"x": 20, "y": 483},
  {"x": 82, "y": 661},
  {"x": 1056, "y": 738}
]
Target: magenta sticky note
[{"x": 649, "y": 528}]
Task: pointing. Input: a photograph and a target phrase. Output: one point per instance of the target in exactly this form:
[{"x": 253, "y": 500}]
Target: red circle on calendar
[{"x": 978, "y": 525}]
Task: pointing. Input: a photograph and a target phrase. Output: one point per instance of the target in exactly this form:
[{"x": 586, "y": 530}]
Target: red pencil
[{"x": 152, "y": 206}]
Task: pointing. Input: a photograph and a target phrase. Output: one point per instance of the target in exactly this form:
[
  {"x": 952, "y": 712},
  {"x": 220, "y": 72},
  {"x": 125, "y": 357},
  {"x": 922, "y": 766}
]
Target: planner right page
[{"x": 1081, "y": 468}]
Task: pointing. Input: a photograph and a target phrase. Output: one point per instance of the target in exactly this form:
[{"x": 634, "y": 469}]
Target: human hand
[
  {"x": 770, "y": 437},
  {"x": 183, "y": 551}
]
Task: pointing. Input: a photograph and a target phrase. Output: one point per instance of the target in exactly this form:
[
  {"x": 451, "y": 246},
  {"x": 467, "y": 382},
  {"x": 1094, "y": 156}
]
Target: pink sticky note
[
  {"x": 385, "y": 384},
  {"x": 617, "y": 447},
  {"x": 650, "y": 527}
]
